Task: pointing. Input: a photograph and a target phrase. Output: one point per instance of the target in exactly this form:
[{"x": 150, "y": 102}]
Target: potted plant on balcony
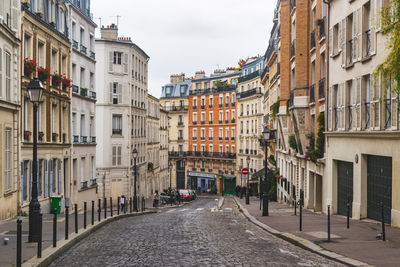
[
  {"x": 84, "y": 91},
  {"x": 29, "y": 67},
  {"x": 55, "y": 135},
  {"x": 27, "y": 134},
  {"x": 40, "y": 136},
  {"x": 43, "y": 74},
  {"x": 56, "y": 80},
  {"x": 66, "y": 83}
]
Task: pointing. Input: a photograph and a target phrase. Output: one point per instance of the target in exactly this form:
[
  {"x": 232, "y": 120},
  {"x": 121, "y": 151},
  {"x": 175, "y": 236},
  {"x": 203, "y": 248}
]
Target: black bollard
[
  {"x": 260, "y": 200},
  {"x": 118, "y": 201},
  {"x": 55, "y": 228},
  {"x": 130, "y": 204},
  {"x": 295, "y": 207},
  {"x": 348, "y": 213},
  {"x": 66, "y": 222},
  {"x": 39, "y": 245},
  {"x": 329, "y": 223},
  {"x": 105, "y": 208},
  {"x": 111, "y": 207},
  {"x": 84, "y": 214},
  {"x": 76, "y": 217},
  {"x": 301, "y": 216},
  {"x": 383, "y": 223},
  {"x": 92, "y": 212},
  {"x": 125, "y": 204},
  {"x": 99, "y": 210},
  {"x": 19, "y": 242}
]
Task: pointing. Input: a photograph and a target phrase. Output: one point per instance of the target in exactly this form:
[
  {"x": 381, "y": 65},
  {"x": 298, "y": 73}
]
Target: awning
[
  {"x": 261, "y": 173},
  {"x": 228, "y": 177}
]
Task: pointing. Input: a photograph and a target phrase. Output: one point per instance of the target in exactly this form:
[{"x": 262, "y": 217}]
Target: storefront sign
[{"x": 206, "y": 175}]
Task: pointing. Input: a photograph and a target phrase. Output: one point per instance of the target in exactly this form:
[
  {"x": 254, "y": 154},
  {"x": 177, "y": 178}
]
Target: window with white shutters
[
  {"x": 8, "y": 167},
  {"x": 117, "y": 124}
]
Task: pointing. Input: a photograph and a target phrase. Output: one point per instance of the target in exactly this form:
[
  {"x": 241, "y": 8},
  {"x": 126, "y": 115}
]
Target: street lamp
[
  {"x": 170, "y": 174},
  {"x": 267, "y": 136},
  {"x": 135, "y": 155},
  {"x": 35, "y": 90},
  {"x": 248, "y": 178}
]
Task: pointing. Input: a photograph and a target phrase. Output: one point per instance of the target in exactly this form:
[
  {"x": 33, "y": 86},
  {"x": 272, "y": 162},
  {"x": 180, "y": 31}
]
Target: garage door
[
  {"x": 344, "y": 186},
  {"x": 379, "y": 187}
]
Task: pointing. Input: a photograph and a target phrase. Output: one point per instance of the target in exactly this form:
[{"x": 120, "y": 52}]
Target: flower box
[
  {"x": 43, "y": 74},
  {"x": 29, "y": 67},
  {"x": 56, "y": 80}
]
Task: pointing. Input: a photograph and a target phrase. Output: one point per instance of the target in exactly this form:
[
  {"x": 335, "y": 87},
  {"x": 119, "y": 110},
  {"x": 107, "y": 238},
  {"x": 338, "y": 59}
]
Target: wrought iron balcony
[
  {"x": 117, "y": 131},
  {"x": 321, "y": 88},
  {"x": 92, "y": 55},
  {"x": 93, "y": 95},
  {"x": 249, "y": 76},
  {"x": 211, "y": 154},
  {"x": 203, "y": 122},
  {"x": 83, "y": 139},
  {"x": 177, "y": 154},
  {"x": 321, "y": 23},
  {"x": 76, "y": 138},
  {"x": 227, "y": 105},
  {"x": 180, "y": 123},
  {"x": 203, "y": 138},
  {"x": 194, "y": 107},
  {"x": 249, "y": 93},
  {"x": 210, "y": 106},
  {"x": 388, "y": 113},
  {"x": 203, "y": 106},
  {"x": 83, "y": 49},
  {"x": 220, "y": 121},
  {"x": 210, "y": 122},
  {"x": 84, "y": 185},
  {"x": 194, "y": 122},
  {"x": 367, "y": 115},
  {"x": 93, "y": 139},
  {"x": 220, "y": 106},
  {"x": 178, "y": 108},
  {"x": 93, "y": 182},
  {"x": 75, "y": 44},
  {"x": 75, "y": 89}
]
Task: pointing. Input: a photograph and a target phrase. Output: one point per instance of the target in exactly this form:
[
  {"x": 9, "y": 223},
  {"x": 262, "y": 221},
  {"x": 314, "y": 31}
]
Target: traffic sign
[{"x": 245, "y": 171}]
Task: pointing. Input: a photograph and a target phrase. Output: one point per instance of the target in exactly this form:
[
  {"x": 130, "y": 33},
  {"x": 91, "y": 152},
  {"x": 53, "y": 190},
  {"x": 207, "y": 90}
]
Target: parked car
[
  {"x": 185, "y": 194},
  {"x": 192, "y": 194}
]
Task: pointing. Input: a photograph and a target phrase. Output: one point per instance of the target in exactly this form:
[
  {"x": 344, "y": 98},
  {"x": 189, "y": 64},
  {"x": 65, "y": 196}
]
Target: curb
[
  {"x": 50, "y": 254},
  {"x": 221, "y": 202},
  {"x": 301, "y": 242}
]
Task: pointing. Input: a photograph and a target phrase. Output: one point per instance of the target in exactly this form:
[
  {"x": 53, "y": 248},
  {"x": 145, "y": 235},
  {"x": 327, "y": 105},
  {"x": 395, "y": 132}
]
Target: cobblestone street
[{"x": 191, "y": 235}]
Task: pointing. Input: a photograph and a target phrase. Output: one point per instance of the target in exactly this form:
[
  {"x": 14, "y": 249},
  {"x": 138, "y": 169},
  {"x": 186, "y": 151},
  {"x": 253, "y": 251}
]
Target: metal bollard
[
  {"x": 92, "y": 212},
  {"x": 348, "y": 213},
  {"x": 130, "y": 204},
  {"x": 19, "y": 242},
  {"x": 295, "y": 206},
  {"x": 125, "y": 204},
  {"x": 99, "y": 210},
  {"x": 144, "y": 204},
  {"x": 118, "y": 207},
  {"x": 76, "y": 217},
  {"x": 105, "y": 208},
  {"x": 329, "y": 223},
  {"x": 383, "y": 224},
  {"x": 66, "y": 222},
  {"x": 301, "y": 216},
  {"x": 55, "y": 228},
  {"x": 111, "y": 207},
  {"x": 84, "y": 214},
  {"x": 260, "y": 200},
  {"x": 39, "y": 245}
]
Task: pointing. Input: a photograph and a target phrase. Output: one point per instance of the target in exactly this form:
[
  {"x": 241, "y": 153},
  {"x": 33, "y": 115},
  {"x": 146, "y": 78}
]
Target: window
[
  {"x": 7, "y": 169},
  {"x": 233, "y": 132},
  {"x": 313, "y": 72},
  {"x": 203, "y": 117},
  {"x": 227, "y": 115},
  {"x": 221, "y": 133},
  {"x": 117, "y": 124},
  {"x": 180, "y": 118},
  {"x": 221, "y": 100},
  {"x": 210, "y": 148},
  {"x": 116, "y": 93},
  {"x": 183, "y": 89},
  {"x": 203, "y": 133},
  {"x": 182, "y": 103},
  {"x": 168, "y": 90},
  {"x": 211, "y": 101},
  {"x": 180, "y": 134},
  {"x": 210, "y": 116},
  {"x": 233, "y": 149},
  {"x": 226, "y": 149},
  {"x": 366, "y": 26},
  {"x": 323, "y": 65},
  {"x": 194, "y": 133},
  {"x": 53, "y": 118},
  {"x": 227, "y": 99},
  {"x": 203, "y": 148},
  {"x": 41, "y": 54},
  {"x": 116, "y": 155},
  {"x": 220, "y": 149},
  {"x": 117, "y": 58},
  {"x": 198, "y": 86},
  {"x": 168, "y": 106},
  {"x": 210, "y": 133},
  {"x": 335, "y": 40},
  {"x": 233, "y": 115},
  {"x": 194, "y": 102},
  {"x": 203, "y": 165},
  {"x": 195, "y": 117},
  {"x": 220, "y": 116},
  {"x": 203, "y": 101},
  {"x": 227, "y": 133},
  {"x": 8, "y": 75},
  {"x": 194, "y": 148}
]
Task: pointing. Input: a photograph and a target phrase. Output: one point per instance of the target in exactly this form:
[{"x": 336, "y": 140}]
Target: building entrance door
[
  {"x": 379, "y": 187},
  {"x": 344, "y": 186}
]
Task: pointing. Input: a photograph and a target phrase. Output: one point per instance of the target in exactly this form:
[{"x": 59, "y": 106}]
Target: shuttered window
[{"x": 7, "y": 174}]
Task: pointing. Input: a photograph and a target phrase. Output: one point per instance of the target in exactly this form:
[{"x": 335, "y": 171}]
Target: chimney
[
  {"x": 175, "y": 78},
  {"x": 199, "y": 74},
  {"x": 109, "y": 32}
]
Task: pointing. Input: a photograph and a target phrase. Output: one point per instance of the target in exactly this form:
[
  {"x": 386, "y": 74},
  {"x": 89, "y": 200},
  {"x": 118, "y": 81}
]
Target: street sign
[{"x": 245, "y": 171}]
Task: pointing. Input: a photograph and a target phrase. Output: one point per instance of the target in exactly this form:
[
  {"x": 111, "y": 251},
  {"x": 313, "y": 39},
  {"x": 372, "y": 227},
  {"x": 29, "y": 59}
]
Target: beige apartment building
[
  {"x": 174, "y": 99},
  {"x": 250, "y": 93},
  {"x": 10, "y": 77},
  {"x": 363, "y": 124},
  {"x": 153, "y": 147},
  {"x": 164, "y": 172},
  {"x": 45, "y": 40}
]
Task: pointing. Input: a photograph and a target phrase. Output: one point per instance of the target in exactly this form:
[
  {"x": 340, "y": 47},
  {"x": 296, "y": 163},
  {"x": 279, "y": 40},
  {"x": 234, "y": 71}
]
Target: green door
[
  {"x": 344, "y": 186},
  {"x": 229, "y": 185},
  {"x": 379, "y": 187}
]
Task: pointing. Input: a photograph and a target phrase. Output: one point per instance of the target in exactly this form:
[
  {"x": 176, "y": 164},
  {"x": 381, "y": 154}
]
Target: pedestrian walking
[
  {"x": 156, "y": 199},
  {"x": 123, "y": 203}
]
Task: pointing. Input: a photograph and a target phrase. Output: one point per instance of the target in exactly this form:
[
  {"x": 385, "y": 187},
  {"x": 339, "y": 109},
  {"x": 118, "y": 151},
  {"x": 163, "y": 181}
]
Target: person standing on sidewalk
[
  {"x": 123, "y": 203},
  {"x": 156, "y": 199}
]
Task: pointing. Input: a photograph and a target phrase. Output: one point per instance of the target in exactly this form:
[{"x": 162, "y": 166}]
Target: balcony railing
[
  {"x": 203, "y": 138},
  {"x": 210, "y": 106},
  {"x": 93, "y": 139},
  {"x": 211, "y": 154},
  {"x": 226, "y": 88},
  {"x": 75, "y": 89},
  {"x": 220, "y": 121},
  {"x": 178, "y": 108},
  {"x": 226, "y": 121},
  {"x": 203, "y": 106},
  {"x": 210, "y": 138},
  {"x": 227, "y": 105},
  {"x": 194, "y": 122},
  {"x": 291, "y": 98},
  {"x": 75, "y": 44},
  {"x": 92, "y": 55},
  {"x": 194, "y": 107},
  {"x": 93, "y": 95},
  {"x": 83, "y": 139},
  {"x": 93, "y": 182},
  {"x": 293, "y": 49},
  {"x": 84, "y": 185},
  {"x": 335, "y": 114},
  {"x": 312, "y": 93},
  {"x": 292, "y": 4},
  {"x": 388, "y": 113},
  {"x": 249, "y": 76},
  {"x": 322, "y": 28},
  {"x": 210, "y": 122},
  {"x": 116, "y": 131},
  {"x": 177, "y": 154},
  {"x": 180, "y": 138},
  {"x": 249, "y": 93},
  {"x": 220, "y": 105},
  {"x": 321, "y": 88},
  {"x": 83, "y": 49},
  {"x": 226, "y": 138},
  {"x": 180, "y": 123},
  {"x": 313, "y": 39},
  {"x": 76, "y": 138}
]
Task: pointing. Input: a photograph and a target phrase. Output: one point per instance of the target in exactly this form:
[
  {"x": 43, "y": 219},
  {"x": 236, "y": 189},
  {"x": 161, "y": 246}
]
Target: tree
[{"x": 390, "y": 26}]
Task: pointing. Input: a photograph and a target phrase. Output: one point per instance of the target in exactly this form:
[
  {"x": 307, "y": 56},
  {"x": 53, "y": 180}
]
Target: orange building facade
[{"x": 211, "y": 157}]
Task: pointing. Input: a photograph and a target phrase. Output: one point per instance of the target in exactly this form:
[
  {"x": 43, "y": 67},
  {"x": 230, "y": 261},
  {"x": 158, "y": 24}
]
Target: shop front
[{"x": 202, "y": 182}]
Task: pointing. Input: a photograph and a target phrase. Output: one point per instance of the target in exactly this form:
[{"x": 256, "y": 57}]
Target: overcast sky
[{"x": 190, "y": 35}]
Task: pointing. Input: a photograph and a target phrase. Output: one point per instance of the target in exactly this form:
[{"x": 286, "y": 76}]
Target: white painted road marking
[
  {"x": 183, "y": 209},
  {"x": 200, "y": 209},
  {"x": 171, "y": 210},
  {"x": 250, "y": 232},
  {"x": 288, "y": 252}
]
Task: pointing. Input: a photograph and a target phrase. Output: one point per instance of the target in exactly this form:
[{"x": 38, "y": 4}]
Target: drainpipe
[{"x": 328, "y": 3}]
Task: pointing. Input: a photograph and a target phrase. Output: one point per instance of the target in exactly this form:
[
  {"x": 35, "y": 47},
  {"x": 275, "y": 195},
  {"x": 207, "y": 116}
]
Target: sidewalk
[
  {"x": 8, "y": 229},
  {"x": 359, "y": 242}
]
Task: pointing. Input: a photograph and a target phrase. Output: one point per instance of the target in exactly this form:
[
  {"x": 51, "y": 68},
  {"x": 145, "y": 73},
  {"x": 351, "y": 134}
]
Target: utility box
[{"x": 56, "y": 203}]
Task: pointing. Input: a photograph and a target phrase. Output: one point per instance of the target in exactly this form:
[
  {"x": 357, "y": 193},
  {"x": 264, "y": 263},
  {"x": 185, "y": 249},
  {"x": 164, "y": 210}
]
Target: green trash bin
[{"x": 56, "y": 203}]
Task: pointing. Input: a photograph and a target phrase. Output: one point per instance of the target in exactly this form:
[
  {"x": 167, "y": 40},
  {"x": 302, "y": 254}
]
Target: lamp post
[
  {"x": 267, "y": 137},
  {"x": 135, "y": 155},
  {"x": 35, "y": 90},
  {"x": 170, "y": 174},
  {"x": 248, "y": 178}
]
